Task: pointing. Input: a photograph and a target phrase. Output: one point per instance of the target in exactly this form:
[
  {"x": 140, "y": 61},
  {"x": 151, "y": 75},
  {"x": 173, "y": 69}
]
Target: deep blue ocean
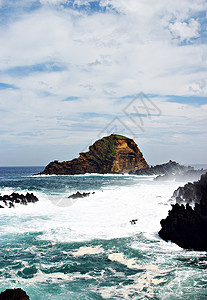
[{"x": 87, "y": 248}]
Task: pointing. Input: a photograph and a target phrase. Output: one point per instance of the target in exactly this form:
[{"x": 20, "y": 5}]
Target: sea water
[{"x": 62, "y": 248}]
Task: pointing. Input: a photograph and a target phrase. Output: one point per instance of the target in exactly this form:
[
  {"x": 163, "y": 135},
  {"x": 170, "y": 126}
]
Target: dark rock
[
  {"x": 184, "y": 225},
  {"x": 111, "y": 154},
  {"x": 134, "y": 221},
  {"x": 15, "y": 198},
  {"x": 167, "y": 169},
  {"x": 192, "y": 192},
  {"x": 14, "y": 294},
  {"x": 184, "y": 175},
  {"x": 11, "y": 204},
  {"x": 79, "y": 195},
  {"x": 171, "y": 171}
]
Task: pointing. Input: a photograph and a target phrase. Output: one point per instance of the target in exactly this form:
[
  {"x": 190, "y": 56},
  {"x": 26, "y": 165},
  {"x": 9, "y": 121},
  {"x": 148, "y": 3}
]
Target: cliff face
[{"x": 111, "y": 154}]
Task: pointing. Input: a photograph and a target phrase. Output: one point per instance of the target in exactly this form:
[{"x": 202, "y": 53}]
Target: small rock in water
[
  {"x": 134, "y": 221},
  {"x": 79, "y": 195}
]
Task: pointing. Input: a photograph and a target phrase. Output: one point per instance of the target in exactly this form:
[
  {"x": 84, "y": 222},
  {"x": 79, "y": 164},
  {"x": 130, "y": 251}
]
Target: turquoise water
[{"x": 88, "y": 249}]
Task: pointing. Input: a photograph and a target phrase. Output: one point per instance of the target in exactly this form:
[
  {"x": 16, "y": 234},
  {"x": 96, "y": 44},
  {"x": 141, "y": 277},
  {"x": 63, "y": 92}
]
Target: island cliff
[{"x": 111, "y": 154}]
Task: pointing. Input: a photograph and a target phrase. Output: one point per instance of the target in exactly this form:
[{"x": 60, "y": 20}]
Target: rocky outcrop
[
  {"x": 185, "y": 175},
  {"x": 111, "y": 154},
  {"x": 80, "y": 195},
  {"x": 186, "y": 225},
  {"x": 168, "y": 168},
  {"x": 192, "y": 193},
  {"x": 14, "y": 294},
  {"x": 171, "y": 171},
  {"x": 15, "y": 198}
]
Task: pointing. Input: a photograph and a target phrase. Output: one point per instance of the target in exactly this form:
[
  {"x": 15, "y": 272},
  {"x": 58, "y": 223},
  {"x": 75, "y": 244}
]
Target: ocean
[{"x": 87, "y": 248}]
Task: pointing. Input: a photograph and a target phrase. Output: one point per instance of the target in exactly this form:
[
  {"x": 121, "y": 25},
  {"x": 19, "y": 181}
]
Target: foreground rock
[
  {"x": 187, "y": 226},
  {"x": 15, "y": 198},
  {"x": 111, "y": 154},
  {"x": 14, "y": 294}
]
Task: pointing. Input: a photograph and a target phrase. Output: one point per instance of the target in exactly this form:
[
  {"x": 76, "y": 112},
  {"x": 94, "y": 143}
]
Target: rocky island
[
  {"x": 186, "y": 223},
  {"x": 111, "y": 154}
]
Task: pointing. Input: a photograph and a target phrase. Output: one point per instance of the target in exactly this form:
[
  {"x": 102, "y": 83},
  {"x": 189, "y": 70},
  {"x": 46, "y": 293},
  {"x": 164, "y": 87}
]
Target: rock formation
[
  {"x": 80, "y": 195},
  {"x": 111, "y": 154},
  {"x": 185, "y": 175},
  {"x": 170, "y": 167},
  {"x": 14, "y": 294},
  {"x": 186, "y": 225},
  {"x": 14, "y": 198},
  {"x": 171, "y": 171}
]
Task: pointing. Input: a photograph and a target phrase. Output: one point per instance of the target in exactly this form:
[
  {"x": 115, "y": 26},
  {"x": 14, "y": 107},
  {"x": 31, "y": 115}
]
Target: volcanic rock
[
  {"x": 186, "y": 225},
  {"x": 184, "y": 175},
  {"x": 14, "y": 294},
  {"x": 170, "y": 167},
  {"x": 10, "y": 200},
  {"x": 171, "y": 171},
  {"x": 79, "y": 195},
  {"x": 111, "y": 154}
]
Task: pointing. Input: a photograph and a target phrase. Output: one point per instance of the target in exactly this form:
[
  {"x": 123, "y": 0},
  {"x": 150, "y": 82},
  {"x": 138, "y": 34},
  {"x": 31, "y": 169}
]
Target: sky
[{"x": 72, "y": 72}]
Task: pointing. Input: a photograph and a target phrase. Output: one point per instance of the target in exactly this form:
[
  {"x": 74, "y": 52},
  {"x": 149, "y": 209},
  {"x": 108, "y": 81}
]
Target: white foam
[
  {"x": 88, "y": 250},
  {"x": 119, "y": 257},
  {"x": 132, "y": 264},
  {"x": 104, "y": 215},
  {"x": 84, "y": 175},
  {"x": 144, "y": 281},
  {"x": 41, "y": 277}
]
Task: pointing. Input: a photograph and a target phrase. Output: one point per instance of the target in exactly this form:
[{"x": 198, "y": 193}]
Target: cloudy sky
[{"x": 72, "y": 71}]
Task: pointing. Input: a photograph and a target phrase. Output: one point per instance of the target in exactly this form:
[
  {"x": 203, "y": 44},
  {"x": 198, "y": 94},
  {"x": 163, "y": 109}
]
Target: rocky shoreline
[{"x": 186, "y": 223}]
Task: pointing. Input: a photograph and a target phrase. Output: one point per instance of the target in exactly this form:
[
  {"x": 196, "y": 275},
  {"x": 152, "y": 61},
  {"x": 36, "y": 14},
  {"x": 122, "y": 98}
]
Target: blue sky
[{"x": 70, "y": 68}]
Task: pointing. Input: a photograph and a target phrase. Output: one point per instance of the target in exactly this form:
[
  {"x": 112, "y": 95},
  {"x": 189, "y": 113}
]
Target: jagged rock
[
  {"x": 10, "y": 200},
  {"x": 111, "y": 154},
  {"x": 79, "y": 195},
  {"x": 185, "y": 225},
  {"x": 133, "y": 222},
  {"x": 168, "y": 169},
  {"x": 184, "y": 175},
  {"x": 14, "y": 294},
  {"x": 171, "y": 171}
]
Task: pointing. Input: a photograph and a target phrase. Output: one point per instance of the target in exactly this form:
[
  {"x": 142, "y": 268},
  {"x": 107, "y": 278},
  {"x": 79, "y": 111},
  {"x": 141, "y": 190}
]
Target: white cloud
[
  {"x": 185, "y": 31},
  {"x": 53, "y": 1}
]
